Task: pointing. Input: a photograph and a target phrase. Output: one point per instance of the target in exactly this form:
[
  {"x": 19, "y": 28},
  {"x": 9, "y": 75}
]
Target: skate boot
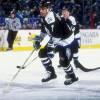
[
  {"x": 70, "y": 79},
  {"x": 50, "y": 75}
]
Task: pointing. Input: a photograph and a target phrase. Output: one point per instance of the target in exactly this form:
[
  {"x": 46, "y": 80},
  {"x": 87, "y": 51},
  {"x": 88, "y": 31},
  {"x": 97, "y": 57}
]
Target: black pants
[{"x": 11, "y": 37}]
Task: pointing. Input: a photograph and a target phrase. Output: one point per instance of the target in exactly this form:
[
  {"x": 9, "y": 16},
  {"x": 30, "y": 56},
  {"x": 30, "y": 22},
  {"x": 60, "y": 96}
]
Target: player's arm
[{"x": 41, "y": 40}]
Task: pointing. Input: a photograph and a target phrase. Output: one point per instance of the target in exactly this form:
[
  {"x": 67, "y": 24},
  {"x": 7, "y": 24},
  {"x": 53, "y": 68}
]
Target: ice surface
[{"x": 27, "y": 85}]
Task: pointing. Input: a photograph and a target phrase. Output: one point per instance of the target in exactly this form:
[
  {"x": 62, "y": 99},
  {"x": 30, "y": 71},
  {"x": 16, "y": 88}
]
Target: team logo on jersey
[{"x": 50, "y": 18}]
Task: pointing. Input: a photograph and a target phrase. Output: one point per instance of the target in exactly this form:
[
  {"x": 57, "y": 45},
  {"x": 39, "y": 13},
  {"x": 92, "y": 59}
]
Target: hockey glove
[{"x": 36, "y": 43}]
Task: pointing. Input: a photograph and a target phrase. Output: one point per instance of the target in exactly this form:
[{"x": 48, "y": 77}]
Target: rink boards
[{"x": 24, "y": 39}]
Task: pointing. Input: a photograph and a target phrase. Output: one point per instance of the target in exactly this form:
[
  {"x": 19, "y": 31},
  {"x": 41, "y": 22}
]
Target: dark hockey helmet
[
  {"x": 45, "y": 5},
  {"x": 67, "y": 7}
]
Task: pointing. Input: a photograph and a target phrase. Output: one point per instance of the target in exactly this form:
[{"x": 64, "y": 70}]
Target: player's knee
[{"x": 64, "y": 63}]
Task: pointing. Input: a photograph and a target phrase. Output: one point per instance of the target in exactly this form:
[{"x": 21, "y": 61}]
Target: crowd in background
[{"x": 87, "y": 12}]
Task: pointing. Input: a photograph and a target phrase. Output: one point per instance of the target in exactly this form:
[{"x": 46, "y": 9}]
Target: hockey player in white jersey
[{"x": 62, "y": 36}]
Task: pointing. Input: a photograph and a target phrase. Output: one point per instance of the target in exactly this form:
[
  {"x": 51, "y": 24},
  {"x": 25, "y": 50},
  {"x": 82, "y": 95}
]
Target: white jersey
[{"x": 72, "y": 19}]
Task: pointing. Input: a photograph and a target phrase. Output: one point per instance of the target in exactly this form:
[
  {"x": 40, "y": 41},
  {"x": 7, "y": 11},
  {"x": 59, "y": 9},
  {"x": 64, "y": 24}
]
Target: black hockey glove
[{"x": 36, "y": 43}]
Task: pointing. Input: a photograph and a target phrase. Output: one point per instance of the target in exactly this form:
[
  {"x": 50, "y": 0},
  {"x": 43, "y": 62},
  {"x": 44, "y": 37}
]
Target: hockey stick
[
  {"x": 27, "y": 64},
  {"x": 6, "y": 90},
  {"x": 43, "y": 44},
  {"x": 23, "y": 66},
  {"x": 81, "y": 67},
  {"x": 45, "y": 41}
]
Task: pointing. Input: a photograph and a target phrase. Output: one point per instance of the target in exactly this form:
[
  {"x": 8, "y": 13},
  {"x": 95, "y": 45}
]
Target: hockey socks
[
  {"x": 70, "y": 75},
  {"x": 50, "y": 70}
]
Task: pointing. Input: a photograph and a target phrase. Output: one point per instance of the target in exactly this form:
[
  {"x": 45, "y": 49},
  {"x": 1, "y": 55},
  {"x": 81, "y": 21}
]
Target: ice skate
[
  {"x": 49, "y": 77},
  {"x": 70, "y": 79}
]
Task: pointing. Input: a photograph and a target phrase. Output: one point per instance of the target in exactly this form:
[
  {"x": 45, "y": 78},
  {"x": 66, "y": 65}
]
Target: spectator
[{"x": 29, "y": 9}]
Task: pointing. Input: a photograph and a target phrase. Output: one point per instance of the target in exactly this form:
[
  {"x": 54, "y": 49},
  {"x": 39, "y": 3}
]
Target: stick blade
[{"x": 20, "y": 67}]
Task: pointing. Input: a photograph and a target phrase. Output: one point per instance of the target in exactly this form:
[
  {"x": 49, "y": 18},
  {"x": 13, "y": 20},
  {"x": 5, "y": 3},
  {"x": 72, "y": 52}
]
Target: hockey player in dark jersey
[
  {"x": 66, "y": 14},
  {"x": 62, "y": 36}
]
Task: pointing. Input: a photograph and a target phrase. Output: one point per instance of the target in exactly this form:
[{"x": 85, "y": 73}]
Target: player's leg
[
  {"x": 65, "y": 57},
  {"x": 47, "y": 63},
  {"x": 75, "y": 52},
  {"x": 14, "y": 34},
  {"x": 9, "y": 39}
]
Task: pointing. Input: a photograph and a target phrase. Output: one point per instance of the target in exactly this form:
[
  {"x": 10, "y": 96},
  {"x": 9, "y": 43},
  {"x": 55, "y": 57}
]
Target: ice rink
[{"x": 28, "y": 86}]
